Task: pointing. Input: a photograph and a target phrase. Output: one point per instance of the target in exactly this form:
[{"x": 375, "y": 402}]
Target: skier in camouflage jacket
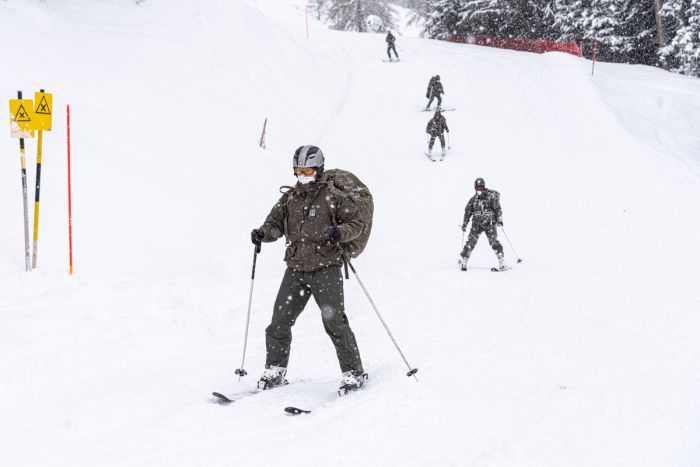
[
  {"x": 436, "y": 128},
  {"x": 314, "y": 218},
  {"x": 484, "y": 210}
]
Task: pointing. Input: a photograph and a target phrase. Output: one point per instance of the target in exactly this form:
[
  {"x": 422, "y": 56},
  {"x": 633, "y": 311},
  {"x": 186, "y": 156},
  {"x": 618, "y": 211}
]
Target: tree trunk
[
  {"x": 660, "y": 31},
  {"x": 660, "y": 28}
]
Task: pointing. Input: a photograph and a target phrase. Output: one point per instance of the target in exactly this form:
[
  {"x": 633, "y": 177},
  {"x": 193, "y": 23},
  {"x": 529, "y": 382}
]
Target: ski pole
[
  {"x": 240, "y": 371},
  {"x": 411, "y": 371},
  {"x": 511, "y": 245}
]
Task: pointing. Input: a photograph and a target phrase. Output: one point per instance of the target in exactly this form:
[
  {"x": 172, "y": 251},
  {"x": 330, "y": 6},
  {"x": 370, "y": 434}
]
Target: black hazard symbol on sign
[
  {"x": 22, "y": 115},
  {"x": 43, "y": 107}
]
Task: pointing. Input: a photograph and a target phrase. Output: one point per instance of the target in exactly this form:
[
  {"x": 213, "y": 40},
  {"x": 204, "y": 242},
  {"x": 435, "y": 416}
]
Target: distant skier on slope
[
  {"x": 390, "y": 45},
  {"x": 484, "y": 209},
  {"x": 436, "y": 128},
  {"x": 434, "y": 90},
  {"x": 315, "y": 216}
]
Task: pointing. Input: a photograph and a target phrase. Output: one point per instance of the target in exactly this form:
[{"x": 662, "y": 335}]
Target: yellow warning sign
[
  {"x": 43, "y": 111},
  {"x": 21, "y": 118}
]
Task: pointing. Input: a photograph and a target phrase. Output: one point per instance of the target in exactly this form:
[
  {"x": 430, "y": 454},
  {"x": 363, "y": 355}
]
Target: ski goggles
[{"x": 308, "y": 171}]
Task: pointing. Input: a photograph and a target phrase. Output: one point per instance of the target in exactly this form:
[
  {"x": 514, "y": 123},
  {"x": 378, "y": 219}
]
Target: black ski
[
  {"x": 341, "y": 393},
  {"x": 501, "y": 270},
  {"x": 223, "y": 399},
  {"x": 447, "y": 109}
]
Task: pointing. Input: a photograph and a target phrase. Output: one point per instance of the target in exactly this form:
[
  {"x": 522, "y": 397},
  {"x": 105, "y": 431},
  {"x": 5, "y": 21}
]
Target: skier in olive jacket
[
  {"x": 390, "y": 45},
  {"x": 435, "y": 89},
  {"x": 314, "y": 218}
]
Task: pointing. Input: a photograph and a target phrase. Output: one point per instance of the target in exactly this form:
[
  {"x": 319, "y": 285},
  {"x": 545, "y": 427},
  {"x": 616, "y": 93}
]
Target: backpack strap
[{"x": 285, "y": 191}]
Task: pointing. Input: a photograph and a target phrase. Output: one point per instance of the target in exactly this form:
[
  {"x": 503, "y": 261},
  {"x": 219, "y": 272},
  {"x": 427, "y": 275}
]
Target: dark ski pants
[
  {"x": 389, "y": 48},
  {"x": 326, "y": 286},
  {"x": 432, "y": 141},
  {"x": 433, "y": 96},
  {"x": 491, "y": 234}
]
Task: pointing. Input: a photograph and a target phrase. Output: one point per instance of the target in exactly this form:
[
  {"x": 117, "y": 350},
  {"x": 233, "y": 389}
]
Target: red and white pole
[
  {"x": 595, "y": 50},
  {"x": 70, "y": 204},
  {"x": 306, "y": 19}
]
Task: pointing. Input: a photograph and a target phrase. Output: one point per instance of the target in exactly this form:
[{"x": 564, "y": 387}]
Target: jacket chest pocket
[{"x": 312, "y": 210}]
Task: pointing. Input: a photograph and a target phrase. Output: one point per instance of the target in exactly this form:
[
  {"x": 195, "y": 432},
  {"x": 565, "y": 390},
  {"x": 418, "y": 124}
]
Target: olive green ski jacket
[{"x": 301, "y": 214}]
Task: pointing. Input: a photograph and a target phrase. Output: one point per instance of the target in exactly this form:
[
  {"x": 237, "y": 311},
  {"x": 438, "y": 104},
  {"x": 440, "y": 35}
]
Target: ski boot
[
  {"x": 351, "y": 382},
  {"x": 272, "y": 377},
  {"x": 501, "y": 262},
  {"x": 463, "y": 262}
]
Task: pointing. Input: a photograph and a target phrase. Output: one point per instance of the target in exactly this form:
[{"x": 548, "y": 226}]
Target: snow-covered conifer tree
[
  {"x": 351, "y": 15},
  {"x": 443, "y": 18},
  {"x": 683, "y": 23}
]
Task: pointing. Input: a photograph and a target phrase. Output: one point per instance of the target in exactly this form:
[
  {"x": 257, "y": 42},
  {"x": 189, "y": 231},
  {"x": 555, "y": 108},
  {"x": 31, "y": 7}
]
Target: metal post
[
  {"x": 23, "y": 162},
  {"x": 37, "y": 190},
  {"x": 70, "y": 204}
]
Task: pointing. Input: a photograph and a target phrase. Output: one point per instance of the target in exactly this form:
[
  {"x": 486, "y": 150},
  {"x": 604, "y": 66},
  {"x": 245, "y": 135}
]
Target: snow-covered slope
[{"x": 583, "y": 354}]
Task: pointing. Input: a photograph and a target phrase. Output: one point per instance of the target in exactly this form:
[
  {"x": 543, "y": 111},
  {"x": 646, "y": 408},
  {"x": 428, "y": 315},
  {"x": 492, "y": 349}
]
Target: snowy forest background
[{"x": 663, "y": 33}]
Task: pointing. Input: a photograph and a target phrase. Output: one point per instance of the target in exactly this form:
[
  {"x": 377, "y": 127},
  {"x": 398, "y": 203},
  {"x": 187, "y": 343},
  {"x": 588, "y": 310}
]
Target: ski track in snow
[{"x": 583, "y": 354}]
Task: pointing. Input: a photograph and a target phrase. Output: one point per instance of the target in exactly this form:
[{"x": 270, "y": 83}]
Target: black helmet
[
  {"x": 437, "y": 77},
  {"x": 479, "y": 183},
  {"x": 309, "y": 156}
]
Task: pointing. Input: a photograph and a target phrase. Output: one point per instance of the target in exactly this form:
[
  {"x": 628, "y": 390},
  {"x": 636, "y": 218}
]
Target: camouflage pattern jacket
[
  {"x": 434, "y": 88},
  {"x": 436, "y": 126},
  {"x": 485, "y": 209},
  {"x": 301, "y": 214}
]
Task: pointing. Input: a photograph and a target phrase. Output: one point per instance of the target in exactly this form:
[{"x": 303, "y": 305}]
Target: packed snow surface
[{"x": 584, "y": 354}]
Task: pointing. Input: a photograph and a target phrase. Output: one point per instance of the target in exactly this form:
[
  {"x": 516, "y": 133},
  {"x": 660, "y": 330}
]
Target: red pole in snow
[
  {"x": 70, "y": 208},
  {"x": 595, "y": 49}
]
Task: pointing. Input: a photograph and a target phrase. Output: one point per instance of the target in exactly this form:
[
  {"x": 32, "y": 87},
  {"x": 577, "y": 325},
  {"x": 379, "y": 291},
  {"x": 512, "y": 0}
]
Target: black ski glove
[
  {"x": 256, "y": 236},
  {"x": 464, "y": 227},
  {"x": 499, "y": 222},
  {"x": 332, "y": 234}
]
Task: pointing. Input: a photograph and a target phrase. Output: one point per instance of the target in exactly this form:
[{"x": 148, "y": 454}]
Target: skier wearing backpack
[
  {"x": 436, "y": 128},
  {"x": 316, "y": 216},
  {"x": 390, "y": 40},
  {"x": 434, "y": 90},
  {"x": 484, "y": 209}
]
